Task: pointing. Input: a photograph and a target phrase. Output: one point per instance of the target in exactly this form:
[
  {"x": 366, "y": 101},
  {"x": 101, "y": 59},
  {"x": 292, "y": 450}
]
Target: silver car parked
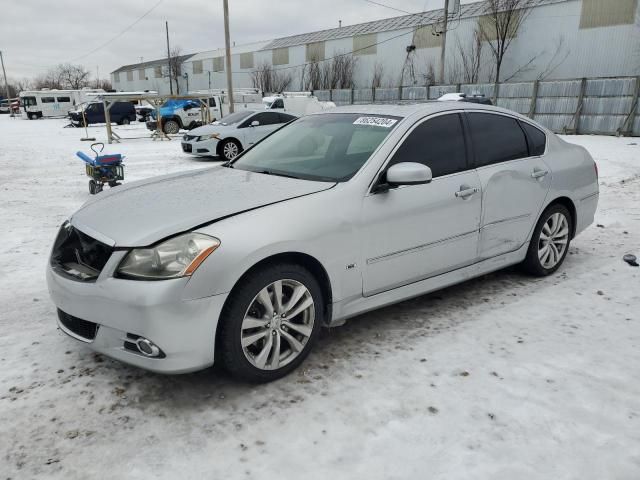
[{"x": 336, "y": 214}]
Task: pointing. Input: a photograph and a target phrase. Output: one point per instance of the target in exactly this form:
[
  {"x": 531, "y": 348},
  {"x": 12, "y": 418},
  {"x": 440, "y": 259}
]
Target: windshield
[
  {"x": 234, "y": 118},
  {"x": 328, "y": 147}
]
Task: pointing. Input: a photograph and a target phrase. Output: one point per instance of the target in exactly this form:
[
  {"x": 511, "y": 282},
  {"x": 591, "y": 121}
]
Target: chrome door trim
[
  {"x": 504, "y": 220},
  {"x": 389, "y": 256}
]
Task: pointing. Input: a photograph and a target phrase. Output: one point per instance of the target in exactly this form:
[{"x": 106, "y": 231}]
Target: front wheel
[
  {"x": 124, "y": 121},
  {"x": 270, "y": 323},
  {"x": 171, "y": 127},
  {"x": 550, "y": 241},
  {"x": 229, "y": 149}
]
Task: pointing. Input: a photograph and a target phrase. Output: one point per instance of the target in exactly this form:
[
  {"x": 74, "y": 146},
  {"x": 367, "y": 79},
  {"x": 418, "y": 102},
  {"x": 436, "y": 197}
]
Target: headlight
[
  {"x": 177, "y": 257},
  {"x": 208, "y": 137}
]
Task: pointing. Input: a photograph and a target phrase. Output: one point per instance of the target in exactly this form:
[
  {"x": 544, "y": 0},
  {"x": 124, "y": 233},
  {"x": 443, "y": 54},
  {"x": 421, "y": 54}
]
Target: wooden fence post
[{"x": 534, "y": 100}]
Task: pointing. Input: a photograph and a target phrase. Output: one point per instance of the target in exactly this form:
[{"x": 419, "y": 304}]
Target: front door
[
  {"x": 415, "y": 232},
  {"x": 268, "y": 122},
  {"x": 515, "y": 181}
]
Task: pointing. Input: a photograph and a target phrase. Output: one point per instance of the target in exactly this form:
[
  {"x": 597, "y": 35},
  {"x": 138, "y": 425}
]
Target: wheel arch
[
  {"x": 304, "y": 260},
  {"x": 569, "y": 205},
  {"x": 226, "y": 139}
]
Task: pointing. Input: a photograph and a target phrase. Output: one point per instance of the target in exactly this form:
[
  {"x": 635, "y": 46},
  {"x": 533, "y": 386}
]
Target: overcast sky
[{"x": 36, "y": 34}]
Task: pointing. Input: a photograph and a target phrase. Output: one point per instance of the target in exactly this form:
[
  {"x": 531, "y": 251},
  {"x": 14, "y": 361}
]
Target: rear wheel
[
  {"x": 550, "y": 241},
  {"x": 92, "y": 187},
  {"x": 229, "y": 149},
  {"x": 270, "y": 323},
  {"x": 124, "y": 121},
  {"x": 170, "y": 127}
]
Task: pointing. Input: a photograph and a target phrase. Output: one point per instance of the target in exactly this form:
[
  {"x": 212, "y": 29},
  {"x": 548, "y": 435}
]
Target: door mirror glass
[
  {"x": 255, "y": 123},
  {"x": 408, "y": 173}
]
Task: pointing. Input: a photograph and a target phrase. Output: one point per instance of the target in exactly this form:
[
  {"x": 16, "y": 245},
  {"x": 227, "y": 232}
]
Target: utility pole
[
  {"x": 6, "y": 84},
  {"x": 97, "y": 76},
  {"x": 166, "y": 26},
  {"x": 228, "y": 54},
  {"x": 445, "y": 24}
]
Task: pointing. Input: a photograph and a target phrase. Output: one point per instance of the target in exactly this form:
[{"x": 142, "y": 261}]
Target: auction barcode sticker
[{"x": 376, "y": 121}]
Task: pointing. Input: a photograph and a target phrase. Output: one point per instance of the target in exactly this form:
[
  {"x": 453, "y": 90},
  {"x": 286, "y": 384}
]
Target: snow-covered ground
[{"x": 504, "y": 377}]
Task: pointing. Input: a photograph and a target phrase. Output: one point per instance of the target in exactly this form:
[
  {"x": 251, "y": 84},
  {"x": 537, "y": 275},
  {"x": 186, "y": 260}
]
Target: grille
[
  {"x": 79, "y": 256},
  {"x": 82, "y": 328}
]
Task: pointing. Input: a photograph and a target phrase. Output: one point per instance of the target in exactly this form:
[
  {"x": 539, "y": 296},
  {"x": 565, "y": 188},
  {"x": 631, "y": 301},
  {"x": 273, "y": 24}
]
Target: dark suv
[{"x": 121, "y": 113}]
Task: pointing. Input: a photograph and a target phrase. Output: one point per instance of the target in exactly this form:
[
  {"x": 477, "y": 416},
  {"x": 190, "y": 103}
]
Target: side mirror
[
  {"x": 255, "y": 123},
  {"x": 405, "y": 173}
]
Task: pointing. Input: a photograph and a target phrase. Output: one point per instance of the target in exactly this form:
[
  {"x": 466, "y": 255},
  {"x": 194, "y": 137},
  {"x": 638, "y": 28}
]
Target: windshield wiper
[{"x": 277, "y": 174}]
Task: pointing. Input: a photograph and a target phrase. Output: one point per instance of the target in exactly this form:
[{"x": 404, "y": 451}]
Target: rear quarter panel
[{"x": 573, "y": 176}]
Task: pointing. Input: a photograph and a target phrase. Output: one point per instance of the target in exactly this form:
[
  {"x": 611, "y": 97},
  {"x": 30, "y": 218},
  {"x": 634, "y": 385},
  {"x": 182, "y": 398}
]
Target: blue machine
[{"x": 102, "y": 169}]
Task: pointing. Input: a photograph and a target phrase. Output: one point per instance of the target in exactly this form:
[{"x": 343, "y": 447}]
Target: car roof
[{"x": 407, "y": 110}]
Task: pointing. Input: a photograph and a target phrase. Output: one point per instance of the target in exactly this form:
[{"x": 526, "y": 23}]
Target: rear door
[
  {"x": 415, "y": 232},
  {"x": 515, "y": 180}
]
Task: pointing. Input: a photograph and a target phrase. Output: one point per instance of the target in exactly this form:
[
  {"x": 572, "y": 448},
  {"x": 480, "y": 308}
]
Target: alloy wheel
[
  {"x": 278, "y": 324},
  {"x": 230, "y": 150},
  {"x": 554, "y": 238}
]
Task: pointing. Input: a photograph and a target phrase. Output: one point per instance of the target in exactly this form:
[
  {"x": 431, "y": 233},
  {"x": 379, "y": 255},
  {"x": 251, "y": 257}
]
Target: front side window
[
  {"x": 496, "y": 138},
  {"x": 29, "y": 101},
  {"x": 329, "y": 147},
  {"x": 266, "y": 118},
  {"x": 437, "y": 143}
]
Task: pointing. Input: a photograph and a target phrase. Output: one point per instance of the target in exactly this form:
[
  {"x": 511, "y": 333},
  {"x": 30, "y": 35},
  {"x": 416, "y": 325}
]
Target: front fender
[{"x": 309, "y": 225}]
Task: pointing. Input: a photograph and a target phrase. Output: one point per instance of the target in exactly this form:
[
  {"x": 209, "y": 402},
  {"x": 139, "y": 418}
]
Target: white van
[
  {"x": 296, "y": 103},
  {"x": 52, "y": 102}
]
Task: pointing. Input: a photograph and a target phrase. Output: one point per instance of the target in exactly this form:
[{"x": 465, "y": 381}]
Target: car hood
[{"x": 142, "y": 213}]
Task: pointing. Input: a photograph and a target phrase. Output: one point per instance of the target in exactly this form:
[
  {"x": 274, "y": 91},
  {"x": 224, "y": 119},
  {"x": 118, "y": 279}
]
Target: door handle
[
  {"x": 465, "y": 192},
  {"x": 539, "y": 173}
]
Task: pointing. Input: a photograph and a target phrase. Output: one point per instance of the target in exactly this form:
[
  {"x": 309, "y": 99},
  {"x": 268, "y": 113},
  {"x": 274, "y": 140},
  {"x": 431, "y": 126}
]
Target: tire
[
  {"x": 92, "y": 187},
  {"x": 124, "y": 121},
  {"x": 32, "y": 116},
  {"x": 170, "y": 127},
  {"x": 544, "y": 256},
  {"x": 245, "y": 316},
  {"x": 229, "y": 149}
]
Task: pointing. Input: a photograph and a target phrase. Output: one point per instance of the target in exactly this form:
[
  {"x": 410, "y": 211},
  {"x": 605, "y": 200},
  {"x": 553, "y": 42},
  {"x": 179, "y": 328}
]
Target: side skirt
[{"x": 351, "y": 307}]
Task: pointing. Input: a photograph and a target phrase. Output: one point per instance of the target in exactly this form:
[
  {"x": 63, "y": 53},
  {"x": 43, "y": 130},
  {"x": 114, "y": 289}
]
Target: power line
[
  {"x": 388, "y": 6},
  {"x": 101, "y": 46}
]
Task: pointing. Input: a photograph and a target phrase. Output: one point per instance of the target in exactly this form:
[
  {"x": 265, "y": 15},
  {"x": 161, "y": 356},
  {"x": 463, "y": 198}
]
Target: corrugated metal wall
[{"x": 588, "y": 106}]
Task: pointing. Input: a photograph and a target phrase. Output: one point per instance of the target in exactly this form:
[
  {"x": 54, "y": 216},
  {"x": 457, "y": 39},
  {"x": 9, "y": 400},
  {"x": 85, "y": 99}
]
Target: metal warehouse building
[{"x": 559, "y": 39}]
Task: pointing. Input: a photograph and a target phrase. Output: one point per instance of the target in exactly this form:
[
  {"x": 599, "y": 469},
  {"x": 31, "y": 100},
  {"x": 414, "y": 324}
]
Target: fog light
[{"x": 147, "y": 347}]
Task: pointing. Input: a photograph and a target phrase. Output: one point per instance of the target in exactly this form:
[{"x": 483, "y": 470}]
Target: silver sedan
[{"x": 336, "y": 214}]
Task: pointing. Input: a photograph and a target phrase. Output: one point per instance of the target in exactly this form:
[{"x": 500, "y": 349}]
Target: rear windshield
[{"x": 329, "y": 147}]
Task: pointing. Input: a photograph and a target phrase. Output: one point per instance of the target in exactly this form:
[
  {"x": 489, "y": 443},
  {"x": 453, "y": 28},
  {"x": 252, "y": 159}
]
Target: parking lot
[{"x": 502, "y": 377}]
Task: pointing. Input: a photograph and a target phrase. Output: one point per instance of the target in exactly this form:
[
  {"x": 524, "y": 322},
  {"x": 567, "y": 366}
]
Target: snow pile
[{"x": 504, "y": 377}]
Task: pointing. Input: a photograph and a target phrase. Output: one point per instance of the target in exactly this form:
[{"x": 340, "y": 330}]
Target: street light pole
[
  {"x": 445, "y": 25},
  {"x": 228, "y": 54},
  {"x": 166, "y": 26}
]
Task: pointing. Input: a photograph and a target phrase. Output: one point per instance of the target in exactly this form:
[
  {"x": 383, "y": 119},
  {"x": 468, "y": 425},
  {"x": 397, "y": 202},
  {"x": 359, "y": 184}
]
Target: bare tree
[
  {"x": 336, "y": 72},
  {"x": 173, "y": 70},
  {"x": 378, "y": 75},
  {"x": 270, "y": 80},
  {"x": 500, "y": 25},
  {"x": 560, "y": 54},
  {"x": 73, "y": 77},
  {"x": 471, "y": 57}
]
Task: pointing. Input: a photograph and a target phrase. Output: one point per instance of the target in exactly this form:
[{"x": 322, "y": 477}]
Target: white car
[{"x": 233, "y": 133}]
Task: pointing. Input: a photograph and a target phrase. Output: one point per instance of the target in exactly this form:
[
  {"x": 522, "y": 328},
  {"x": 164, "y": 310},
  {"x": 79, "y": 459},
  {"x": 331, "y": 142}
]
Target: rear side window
[
  {"x": 496, "y": 138},
  {"x": 284, "y": 118},
  {"x": 437, "y": 143},
  {"x": 64, "y": 99},
  {"x": 48, "y": 100},
  {"x": 537, "y": 139}
]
